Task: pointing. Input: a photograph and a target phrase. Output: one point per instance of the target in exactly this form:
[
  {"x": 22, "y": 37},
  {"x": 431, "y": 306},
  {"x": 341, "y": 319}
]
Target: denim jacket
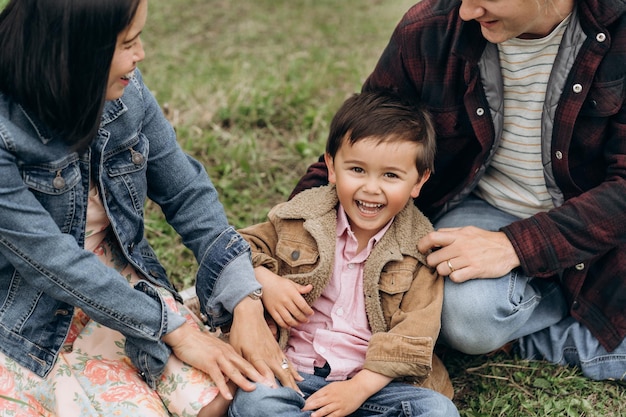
[{"x": 45, "y": 272}]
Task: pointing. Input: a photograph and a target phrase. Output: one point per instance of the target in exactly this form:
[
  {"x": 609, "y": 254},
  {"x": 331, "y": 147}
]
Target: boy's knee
[{"x": 265, "y": 401}]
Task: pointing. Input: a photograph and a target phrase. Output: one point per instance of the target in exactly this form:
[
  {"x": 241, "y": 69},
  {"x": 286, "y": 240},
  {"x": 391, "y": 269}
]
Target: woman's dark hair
[
  {"x": 55, "y": 57},
  {"x": 385, "y": 116}
]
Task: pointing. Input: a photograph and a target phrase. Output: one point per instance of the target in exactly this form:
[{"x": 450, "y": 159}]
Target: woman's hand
[
  {"x": 469, "y": 252},
  {"x": 213, "y": 356},
  {"x": 251, "y": 336},
  {"x": 283, "y": 299}
]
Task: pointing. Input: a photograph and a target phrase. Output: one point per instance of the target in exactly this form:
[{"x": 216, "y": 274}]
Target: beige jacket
[{"x": 403, "y": 296}]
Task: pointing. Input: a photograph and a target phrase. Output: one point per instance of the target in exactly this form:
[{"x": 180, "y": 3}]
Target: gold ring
[
  {"x": 450, "y": 266},
  {"x": 284, "y": 364}
]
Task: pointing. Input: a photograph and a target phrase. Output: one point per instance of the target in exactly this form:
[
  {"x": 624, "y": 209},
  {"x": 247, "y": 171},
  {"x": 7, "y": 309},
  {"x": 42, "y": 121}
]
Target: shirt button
[
  {"x": 577, "y": 88},
  {"x": 575, "y": 305},
  {"x": 559, "y": 155},
  {"x": 480, "y": 111},
  {"x": 322, "y": 350},
  {"x": 340, "y": 312},
  {"x": 600, "y": 37},
  {"x": 295, "y": 255},
  {"x": 350, "y": 266},
  {"x": 580, "y": 266}
]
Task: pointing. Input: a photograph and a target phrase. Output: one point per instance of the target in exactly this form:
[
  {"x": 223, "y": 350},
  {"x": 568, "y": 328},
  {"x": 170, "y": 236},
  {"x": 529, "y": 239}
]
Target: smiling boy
[{"x": 357, "y": 307}]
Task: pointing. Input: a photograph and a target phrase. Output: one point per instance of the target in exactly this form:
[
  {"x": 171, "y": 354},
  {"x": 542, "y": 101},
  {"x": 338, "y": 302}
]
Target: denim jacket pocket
[
  {"x": 127, "y": 158},
  {"x": 52, "y": 178},
  {"x": 55, "y": 186}
]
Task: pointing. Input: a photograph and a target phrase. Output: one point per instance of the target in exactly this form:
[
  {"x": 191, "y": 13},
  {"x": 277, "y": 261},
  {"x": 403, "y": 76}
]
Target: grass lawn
[{"x": 251, "y": 86}]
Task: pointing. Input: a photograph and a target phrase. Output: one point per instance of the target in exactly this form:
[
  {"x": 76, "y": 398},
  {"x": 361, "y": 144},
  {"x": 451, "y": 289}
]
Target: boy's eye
[
  {"x": 357, "y": 169},
  {"x": 391, "y": 175}
]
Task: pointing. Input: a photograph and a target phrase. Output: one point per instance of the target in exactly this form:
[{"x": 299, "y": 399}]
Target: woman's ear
[{"x": 330, "y": 164}]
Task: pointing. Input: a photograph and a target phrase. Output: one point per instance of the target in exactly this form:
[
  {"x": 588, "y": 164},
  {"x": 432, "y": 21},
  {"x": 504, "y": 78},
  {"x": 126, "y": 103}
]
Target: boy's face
[{"x": 374, "y": 181}]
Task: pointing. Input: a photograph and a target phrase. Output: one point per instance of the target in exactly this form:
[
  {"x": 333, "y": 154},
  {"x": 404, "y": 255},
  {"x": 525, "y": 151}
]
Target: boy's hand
[
  {"x": 342, "y": 398},
  {"x": 283, "y": 299}
]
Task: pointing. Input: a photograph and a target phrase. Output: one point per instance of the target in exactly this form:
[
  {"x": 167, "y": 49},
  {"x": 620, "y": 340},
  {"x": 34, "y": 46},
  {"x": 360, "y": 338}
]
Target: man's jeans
[
  {"x": 395, "y": 400},
  {"x": 481, "y": 315}
]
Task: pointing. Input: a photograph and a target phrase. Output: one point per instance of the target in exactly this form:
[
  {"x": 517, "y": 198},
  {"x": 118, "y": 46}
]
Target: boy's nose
[{"x": 371, "y": 186}]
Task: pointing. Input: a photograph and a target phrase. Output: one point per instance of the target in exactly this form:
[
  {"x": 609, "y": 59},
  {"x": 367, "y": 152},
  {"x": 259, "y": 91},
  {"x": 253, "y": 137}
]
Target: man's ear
[
  {"x": 330, "y": 164},
  {"x": 415, "y": 191}
]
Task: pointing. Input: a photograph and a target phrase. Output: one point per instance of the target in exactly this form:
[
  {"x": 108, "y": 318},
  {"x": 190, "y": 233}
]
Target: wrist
[{"x": 251, "y": 304}]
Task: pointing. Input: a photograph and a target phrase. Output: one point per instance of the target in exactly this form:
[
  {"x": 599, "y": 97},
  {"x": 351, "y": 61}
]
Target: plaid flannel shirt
[{"x": 433, "y": 55}]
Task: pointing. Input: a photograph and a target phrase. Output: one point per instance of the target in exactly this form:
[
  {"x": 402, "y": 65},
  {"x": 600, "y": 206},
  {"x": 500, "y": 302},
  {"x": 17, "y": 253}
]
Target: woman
[
  {"x": 528, "y": 99},
  {"x": 83, "y": 143}
]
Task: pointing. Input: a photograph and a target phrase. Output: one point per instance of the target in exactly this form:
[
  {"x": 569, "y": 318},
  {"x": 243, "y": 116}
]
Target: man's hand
[{"x": 469, "y": 252}]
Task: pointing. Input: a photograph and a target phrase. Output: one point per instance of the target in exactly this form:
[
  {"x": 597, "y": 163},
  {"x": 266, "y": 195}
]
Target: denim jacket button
[
  {"x": 295, "y": 255},
  {"x": 136, "y": 157},
  {"x": 58, "y": 182}
]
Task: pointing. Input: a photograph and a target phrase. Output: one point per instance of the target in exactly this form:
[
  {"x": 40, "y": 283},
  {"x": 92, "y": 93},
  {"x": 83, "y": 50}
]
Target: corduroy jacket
[{"x": 403, "y": 296}]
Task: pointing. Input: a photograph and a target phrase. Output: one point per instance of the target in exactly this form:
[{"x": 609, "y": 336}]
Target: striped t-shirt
[{"x": 514, "y": 182}]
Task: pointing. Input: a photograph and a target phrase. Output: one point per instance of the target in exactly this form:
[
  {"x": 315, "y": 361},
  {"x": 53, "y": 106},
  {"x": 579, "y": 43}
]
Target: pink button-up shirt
[{"x": 338, "y": 332}]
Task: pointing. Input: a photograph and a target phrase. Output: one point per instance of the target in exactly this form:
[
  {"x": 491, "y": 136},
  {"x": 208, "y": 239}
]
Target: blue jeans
[
  {"x": 395, "y": 400},
  {"x": 481, "y": 315}
]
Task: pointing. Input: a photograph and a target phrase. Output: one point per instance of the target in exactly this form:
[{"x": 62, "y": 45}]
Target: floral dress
[{"x": 92, "y": 376}]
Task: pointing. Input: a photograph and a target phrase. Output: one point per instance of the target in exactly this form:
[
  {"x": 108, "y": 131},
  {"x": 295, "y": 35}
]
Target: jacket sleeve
[
  {"x": 192, "y": 207},
  {"x": 406, "y": 349}
]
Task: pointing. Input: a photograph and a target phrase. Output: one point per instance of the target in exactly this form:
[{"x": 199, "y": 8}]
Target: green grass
[{"x": 251, "y": 87}]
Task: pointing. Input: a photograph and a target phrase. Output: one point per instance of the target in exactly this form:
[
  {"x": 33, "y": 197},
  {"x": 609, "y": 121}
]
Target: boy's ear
[
  {"x": 330, "y": 164},
  {"x": 415, "y": 191}
]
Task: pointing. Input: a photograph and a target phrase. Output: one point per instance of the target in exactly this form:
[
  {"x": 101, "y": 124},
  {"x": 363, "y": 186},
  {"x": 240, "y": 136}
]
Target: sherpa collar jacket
[{"x": 298, "y": 243}]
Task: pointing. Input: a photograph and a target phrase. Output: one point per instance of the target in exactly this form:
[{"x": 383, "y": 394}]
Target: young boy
[{"x": 357, "y": 307}]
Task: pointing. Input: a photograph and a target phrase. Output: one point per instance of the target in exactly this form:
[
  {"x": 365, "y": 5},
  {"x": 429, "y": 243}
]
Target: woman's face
[
  {"x": 128, "y": 52},
  {"x": 501, "y": 20}
]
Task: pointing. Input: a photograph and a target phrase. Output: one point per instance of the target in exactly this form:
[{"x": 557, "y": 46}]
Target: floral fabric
[{"x": 92, "y": 376}]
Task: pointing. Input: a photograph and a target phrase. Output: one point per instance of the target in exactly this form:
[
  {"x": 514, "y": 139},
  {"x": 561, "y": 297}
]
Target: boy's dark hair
[
  {"x": 387, "y": 117},
  {"x": 55, "y": 57}
]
